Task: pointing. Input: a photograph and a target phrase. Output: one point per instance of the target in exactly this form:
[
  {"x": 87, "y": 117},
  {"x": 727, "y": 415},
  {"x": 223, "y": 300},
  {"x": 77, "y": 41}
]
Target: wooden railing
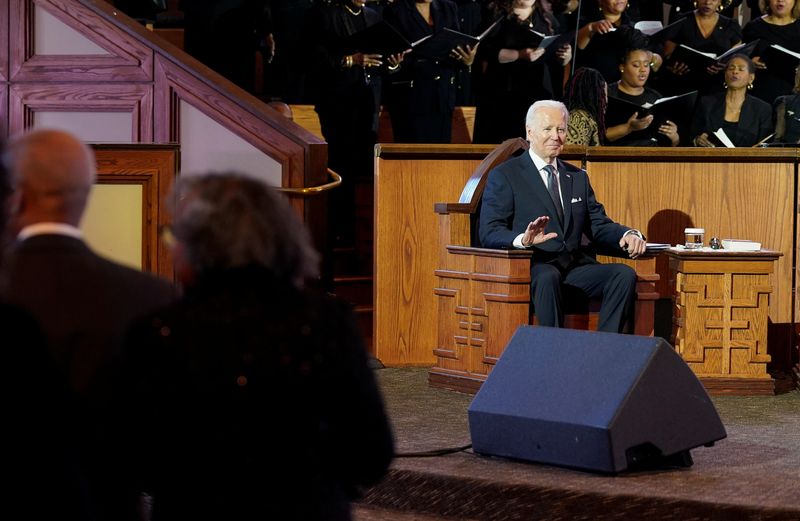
[{"x": 140, "y": 75}]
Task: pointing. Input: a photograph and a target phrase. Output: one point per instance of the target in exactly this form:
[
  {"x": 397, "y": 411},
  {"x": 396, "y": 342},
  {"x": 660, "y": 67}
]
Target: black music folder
[
  {"x": 678, "y": 109},
  {"x": 698, "y": 61},
  {"x": 380, "y": 38},
  {"x": 438, "y": 45},
  {"x": 660, "y": 36},
  {"x": 523, "y": 37},
  {"x": 781, "y": 62}
]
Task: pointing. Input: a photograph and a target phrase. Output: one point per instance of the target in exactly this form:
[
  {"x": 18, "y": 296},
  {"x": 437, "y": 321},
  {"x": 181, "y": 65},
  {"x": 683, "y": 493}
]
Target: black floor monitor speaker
[{"x": 596, "y": 401}]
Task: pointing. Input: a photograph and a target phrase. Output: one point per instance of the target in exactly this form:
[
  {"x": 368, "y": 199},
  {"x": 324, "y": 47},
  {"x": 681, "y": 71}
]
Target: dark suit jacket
[
  {"x": 253, "y": 400},
  {"x": 515, "y": 195},
  {"x": 39, "y": 458},
  {"x": 84, "y": 304},
  {"x": 755, "y": 119}
]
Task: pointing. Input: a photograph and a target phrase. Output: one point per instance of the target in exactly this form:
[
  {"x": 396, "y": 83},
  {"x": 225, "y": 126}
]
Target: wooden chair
[{"x": 484, "y": 294}]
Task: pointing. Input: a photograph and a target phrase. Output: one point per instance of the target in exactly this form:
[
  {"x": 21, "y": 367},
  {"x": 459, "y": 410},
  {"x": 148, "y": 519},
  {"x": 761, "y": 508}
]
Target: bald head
[{"x": 52, "y": 172}]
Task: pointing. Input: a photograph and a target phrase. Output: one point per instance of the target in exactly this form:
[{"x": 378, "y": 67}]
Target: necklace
[{"x": 354, "y": 13}]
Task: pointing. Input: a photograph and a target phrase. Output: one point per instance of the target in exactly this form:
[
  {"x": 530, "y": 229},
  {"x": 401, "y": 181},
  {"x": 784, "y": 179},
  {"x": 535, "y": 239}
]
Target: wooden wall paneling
[
  {"x": 136, "y": 99},
  {"x": 748, "y": 194},
  {"x": 4, "y": 23},
  {"x": 155, "y": 167},
  {"x": 3, "y": 111},
  {"x": 409, "y": 180},
  {"x": 128, "y": 60}
]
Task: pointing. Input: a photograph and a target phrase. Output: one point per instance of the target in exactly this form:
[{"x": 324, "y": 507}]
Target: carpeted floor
[{"x": 752, "y": 474}]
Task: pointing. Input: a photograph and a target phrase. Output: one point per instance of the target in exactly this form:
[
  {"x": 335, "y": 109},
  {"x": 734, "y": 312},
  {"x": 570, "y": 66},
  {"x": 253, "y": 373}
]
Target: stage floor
[{"x": 752, "y": 474}]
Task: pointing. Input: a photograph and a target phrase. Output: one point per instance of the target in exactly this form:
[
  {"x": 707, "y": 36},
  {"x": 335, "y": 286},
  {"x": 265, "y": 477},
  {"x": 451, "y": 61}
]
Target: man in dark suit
[
  {"x": 539, "y": 202},
  {"x": 83, "y": 302}
]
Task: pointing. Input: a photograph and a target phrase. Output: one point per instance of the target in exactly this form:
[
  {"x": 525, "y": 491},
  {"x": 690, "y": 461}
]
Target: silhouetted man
[{"x": 83, "y": 302}]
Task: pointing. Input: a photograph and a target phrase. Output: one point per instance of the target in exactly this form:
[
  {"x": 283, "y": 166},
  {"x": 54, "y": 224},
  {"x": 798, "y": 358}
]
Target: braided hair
[{"x": 587, "y": 91}]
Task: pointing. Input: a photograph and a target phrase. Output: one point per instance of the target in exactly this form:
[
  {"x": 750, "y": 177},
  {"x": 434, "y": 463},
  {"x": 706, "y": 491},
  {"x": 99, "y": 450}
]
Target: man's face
[{"x": 547, "y": 133}]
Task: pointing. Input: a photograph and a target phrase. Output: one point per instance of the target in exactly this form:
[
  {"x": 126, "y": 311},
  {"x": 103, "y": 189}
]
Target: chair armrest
[
  {"x": 448, "y": 208},
  {"x": 489, "y": 252}
]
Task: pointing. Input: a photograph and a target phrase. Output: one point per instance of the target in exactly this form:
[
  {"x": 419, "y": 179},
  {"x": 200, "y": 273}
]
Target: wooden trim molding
[
  {"x": 3, "y": 111},
  {"x": 3, "y": 43},
  {"x": 136, "y": 99},
  {"x": 128, "y": 60},
  {"x": 691, "y": 155},
  {"x": 174, "y": 84},
  {"x": 155, "y": 168}
]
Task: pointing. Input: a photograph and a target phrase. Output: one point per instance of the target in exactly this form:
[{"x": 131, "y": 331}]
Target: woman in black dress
[
  {"x": 780, "y": 25},
  {"x": 787, "y": 115},
  {"x": 635, "y": 70},
  {"x": 604, "y": 37},
  {"x": 348, "y": 100},
  {"x": 707, "y": 31},
  {"x": 422, "y": 95},
  {"x": 516, "y": 75},
  {"x": 745, "y": 119},
  {"x": 680, "y": 8}
]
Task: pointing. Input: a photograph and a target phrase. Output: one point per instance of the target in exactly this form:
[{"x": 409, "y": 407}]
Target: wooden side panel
[
  {"x": 155, "y": 168},
  {"x": 406, "y": 251},
  {"x": 720, "y": 319},
  {"x": 136, "y": 99}
]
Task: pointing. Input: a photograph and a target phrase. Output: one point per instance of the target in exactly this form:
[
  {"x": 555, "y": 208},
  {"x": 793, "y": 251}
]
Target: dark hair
[
  {"x": 228, "y": 220},
  {"x": 587, "y": 91},
  {"x": 751, "y": 67},
  {"x": 630, "y": 50},
  {"x": 504, "y": 8}
]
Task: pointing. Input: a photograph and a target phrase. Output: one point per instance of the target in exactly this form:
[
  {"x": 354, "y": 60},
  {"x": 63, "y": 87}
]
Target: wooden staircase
[{"x": 352, "y": 263}]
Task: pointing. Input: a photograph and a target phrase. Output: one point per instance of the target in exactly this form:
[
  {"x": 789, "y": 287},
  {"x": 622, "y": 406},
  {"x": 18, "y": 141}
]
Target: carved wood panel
[
  {"x": 722, "y": 323},
  {"x": 128, "y": 59},
  {"x": 481, "y": 302},
  {"x": 136, "y": 99},
  {"x": 721, "y": 307}
]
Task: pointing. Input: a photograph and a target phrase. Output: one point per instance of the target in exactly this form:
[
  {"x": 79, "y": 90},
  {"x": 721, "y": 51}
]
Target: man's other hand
[{"x": 633, "y": 244}]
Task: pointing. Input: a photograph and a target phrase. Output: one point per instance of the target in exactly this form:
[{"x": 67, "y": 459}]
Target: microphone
[{"x": 575, "y": 43}]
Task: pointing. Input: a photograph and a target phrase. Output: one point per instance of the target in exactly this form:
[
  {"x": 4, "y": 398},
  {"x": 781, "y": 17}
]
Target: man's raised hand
[{"x": 534, "y": 233}]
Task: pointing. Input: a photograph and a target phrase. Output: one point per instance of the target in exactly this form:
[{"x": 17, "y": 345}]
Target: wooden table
[{"x": 720, "y": 315}]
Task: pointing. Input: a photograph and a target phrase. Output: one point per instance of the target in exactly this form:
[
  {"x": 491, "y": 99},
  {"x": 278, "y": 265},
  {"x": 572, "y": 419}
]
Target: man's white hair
[{"x": 541, "y": 104}]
